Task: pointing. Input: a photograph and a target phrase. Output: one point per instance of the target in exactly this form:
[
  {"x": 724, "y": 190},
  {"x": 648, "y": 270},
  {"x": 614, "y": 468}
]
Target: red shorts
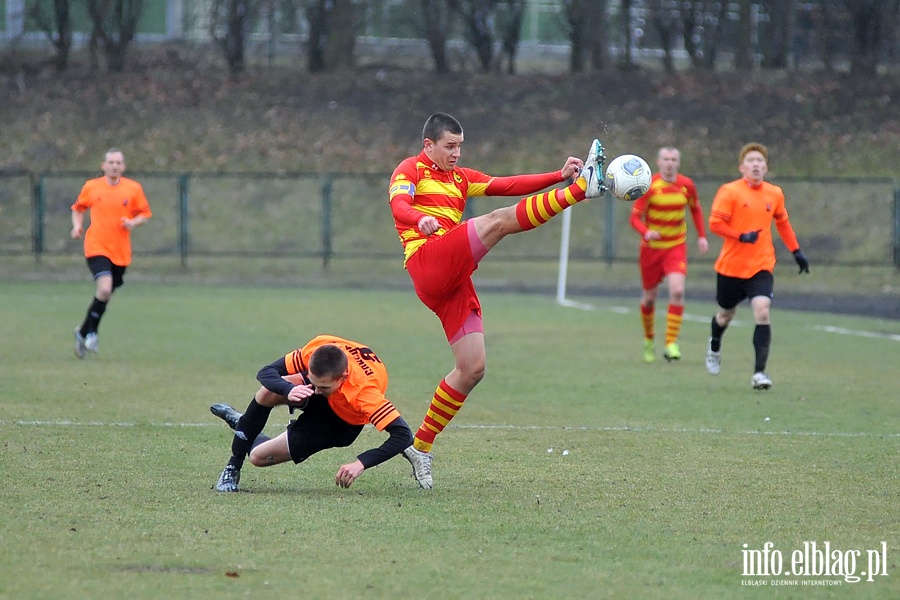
[
  {"x": 656, "y": 263},
  {"x": 441, "y": 271}
]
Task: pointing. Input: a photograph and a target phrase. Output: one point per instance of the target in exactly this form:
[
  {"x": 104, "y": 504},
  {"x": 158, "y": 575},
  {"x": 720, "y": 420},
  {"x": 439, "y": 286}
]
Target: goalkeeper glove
[
  {"x": 750, "y": 237},
  {"x": 801, "y": 261}
]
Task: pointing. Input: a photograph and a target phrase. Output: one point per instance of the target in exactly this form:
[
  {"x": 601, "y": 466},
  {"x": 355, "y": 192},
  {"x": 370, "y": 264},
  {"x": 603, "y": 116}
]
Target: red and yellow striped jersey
[
  {"x": 109, "y": 204},
  {"x": 360, "y": 399},
  {"x": 663, "y": 209},
  {"x": 740, "y": 208},
  {"x": 421, "y": 188}
]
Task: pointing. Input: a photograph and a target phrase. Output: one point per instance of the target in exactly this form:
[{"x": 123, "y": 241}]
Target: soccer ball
[{"x": 628, "y": 177}]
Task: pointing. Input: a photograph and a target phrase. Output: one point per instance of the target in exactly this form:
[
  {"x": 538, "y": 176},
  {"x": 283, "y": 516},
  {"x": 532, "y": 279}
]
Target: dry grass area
[{"x": 177, "y": 110}]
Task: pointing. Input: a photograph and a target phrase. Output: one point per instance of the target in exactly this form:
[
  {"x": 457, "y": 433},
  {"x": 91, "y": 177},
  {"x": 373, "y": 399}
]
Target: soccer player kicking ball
[
  {"x": 742, "y": 213},
  {"x": 428, "y": 194}
]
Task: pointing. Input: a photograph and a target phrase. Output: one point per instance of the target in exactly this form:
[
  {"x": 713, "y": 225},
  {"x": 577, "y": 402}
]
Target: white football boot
[
  {"x": 421, "y": 464},
  {"x": 593, "y": 171}
]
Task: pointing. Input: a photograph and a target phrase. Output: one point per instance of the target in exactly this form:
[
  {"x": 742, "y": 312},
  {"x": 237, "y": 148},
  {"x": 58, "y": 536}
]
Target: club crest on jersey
[
  {"x": 457, "y": 177},
  {"x": 125, "y": 202},
  {"x": 768, "y": 207}
]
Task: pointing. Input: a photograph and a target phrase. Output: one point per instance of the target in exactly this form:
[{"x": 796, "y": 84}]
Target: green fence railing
[{"x": 845, "y": 222}]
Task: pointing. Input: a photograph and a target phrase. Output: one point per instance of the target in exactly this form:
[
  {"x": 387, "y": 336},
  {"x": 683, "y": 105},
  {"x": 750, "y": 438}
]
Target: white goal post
[{"x": 564, "y": 264}]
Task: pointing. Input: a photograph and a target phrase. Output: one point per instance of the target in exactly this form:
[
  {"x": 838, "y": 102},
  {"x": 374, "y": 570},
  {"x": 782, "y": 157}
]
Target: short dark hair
[
  {"x": 328, "y": 361},
  {"x": 438, "y": 124}
]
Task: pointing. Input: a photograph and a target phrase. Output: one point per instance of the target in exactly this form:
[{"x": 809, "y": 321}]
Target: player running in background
[
  {"x": 428, "y": 194},
  {"x": 660, "y": 217},
  {"x": 742, "y": 213},
  {"x": 339, "y": 385},
  {"x": 117, "y": 206}
]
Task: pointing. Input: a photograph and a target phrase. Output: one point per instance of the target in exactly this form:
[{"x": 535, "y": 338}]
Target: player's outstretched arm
[
  {"x": 77, "y": 224},
  {"x": 400, "y": 438}
]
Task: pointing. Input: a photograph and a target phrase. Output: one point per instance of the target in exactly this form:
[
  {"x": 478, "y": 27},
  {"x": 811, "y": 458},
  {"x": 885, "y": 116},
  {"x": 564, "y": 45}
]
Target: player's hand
[
  {"x": 572, "y": 167},
  {"x": 801, "y": 261},
  {"x": 750, "y": 237},
  {"x": 348, "y": 473},
  {"x": 299, "y": 393},
  {"x": 652, "y": 235},
  {"x": 76, "y": 233},
  {"x": 703, "y": 245},
  {"x": 428, "y": 225}
]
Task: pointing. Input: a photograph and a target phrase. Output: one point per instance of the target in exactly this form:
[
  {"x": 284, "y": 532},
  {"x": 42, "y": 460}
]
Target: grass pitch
[{"x": 574, "y": 471}]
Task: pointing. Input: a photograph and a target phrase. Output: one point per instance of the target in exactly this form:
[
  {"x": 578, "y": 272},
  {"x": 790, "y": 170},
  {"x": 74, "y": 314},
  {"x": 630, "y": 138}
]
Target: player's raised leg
[{"x": 533, "y": 211}]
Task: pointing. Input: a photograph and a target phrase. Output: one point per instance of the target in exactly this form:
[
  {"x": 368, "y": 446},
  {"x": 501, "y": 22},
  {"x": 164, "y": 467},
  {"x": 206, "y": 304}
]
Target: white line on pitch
[
  {"x": 624, "y": 429},
  {"x": 624, "y": 310},
  {"x": 867, "y": 334}
]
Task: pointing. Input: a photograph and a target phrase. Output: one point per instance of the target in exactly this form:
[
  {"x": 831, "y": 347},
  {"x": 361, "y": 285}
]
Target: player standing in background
[
  {"x": 428, "y": 194},
  {"x": 660, "y": 217},
  {"x": 742, "y": 213},
  {"x": 339, "y": 385},
  {"x": 117, "y": 206}
]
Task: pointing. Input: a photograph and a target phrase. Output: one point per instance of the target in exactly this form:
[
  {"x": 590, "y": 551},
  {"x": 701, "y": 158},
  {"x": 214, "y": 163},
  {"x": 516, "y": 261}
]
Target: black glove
[
  {"x": 750, "y": 237},
  {"x": 801, "y": 261}
]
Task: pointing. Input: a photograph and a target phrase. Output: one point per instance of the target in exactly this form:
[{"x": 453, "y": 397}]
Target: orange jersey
[
  {"x": 741, "y": 208},
  {"x": 429, "y": 190},
  {"x": 109, "y": 204},
  {"x": 663, "y": 209},
  {"x": 360, "y": 399}
]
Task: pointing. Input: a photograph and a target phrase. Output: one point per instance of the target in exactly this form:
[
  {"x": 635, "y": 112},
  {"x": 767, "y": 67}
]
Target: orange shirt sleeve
[
  {"x": 786, "y": 230},
  {"x": 720, "y": 214}
]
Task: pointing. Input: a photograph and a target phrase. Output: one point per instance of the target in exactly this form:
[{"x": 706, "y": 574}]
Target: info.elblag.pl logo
[{"x": 819, "y": 561}]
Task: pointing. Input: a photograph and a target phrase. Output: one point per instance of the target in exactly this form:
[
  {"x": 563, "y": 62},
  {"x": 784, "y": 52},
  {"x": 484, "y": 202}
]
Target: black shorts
[
  {"x": 318, "y": 428},
  {"x": 100, "y": 265},
  {"x": 730, "y": 291}
]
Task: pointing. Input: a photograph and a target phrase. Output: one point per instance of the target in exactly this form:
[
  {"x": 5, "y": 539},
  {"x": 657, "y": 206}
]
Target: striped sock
[
  {"x": 673, "y": 323},
  {"x": 444, "y": 406},
  {"x": 647, "y": 315},
  {"x": 536, "y": 210}
]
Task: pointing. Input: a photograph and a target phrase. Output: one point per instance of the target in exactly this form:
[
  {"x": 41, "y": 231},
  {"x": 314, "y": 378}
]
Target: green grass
[{"x": 107, "y": 464}]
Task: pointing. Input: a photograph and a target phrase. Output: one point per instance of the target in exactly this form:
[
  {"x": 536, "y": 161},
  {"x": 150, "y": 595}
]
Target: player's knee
[
  {"x": 260, "y": 459},
  {"x": 472, "y": 373},
  {"x": 502, "y": 222},
  {"x": 265, "y": 397}
]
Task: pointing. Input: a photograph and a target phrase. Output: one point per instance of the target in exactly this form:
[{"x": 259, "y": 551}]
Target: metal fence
[{"x": 844, "y": 222}]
